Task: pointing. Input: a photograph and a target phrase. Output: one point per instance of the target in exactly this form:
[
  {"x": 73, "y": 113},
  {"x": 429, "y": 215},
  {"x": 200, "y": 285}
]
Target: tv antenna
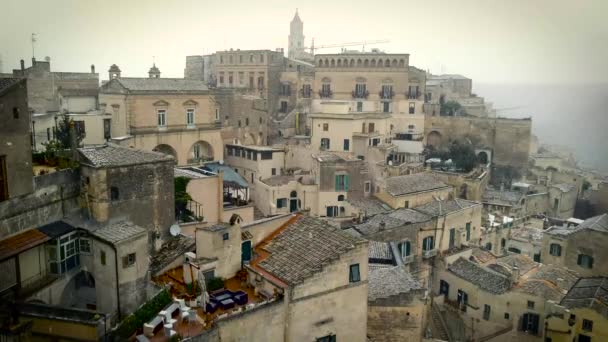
[{"x": 33, "y": 41}]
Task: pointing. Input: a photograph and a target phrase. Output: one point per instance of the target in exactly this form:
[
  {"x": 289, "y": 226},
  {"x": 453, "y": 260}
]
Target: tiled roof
[
  {"x": 114, "y": 155},
  {"x": 369, "y": 206},
  {"x": 440, "y": 208},
  {"x": 588, "y": 293},
  {"x": 304, "y": 247},
  {"x": 21, "y": 242},
  {"x": 482, "y": 256},
  {"x": 487, "y": 279},
  {"x": 389, "y": 281},
  {"x": 170, "y": 250},
  {"x": 118, "y": 231},
  {"x": 6, "y": 83},
  {"x": 527, "y": 234},
  {"x": 56, "y": 229},
  {"x": 551, "y": 283},
  {"x": 598, "y": 223},
  {"x": 418, "y": 182},
  {"x": 397, "y": 218},
  {"x": 523, "y": 262},
  {"x": 161, "y": 84}
]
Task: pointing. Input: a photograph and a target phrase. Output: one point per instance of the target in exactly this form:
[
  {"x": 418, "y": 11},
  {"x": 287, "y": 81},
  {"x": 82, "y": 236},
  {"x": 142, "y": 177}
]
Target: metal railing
[
  {"x": 325, "y": 94},
  {"x": 360, "y": 94},
  {"x": 175, "y": 128},
  {"x": 413, "y": 95},
  {"x": 199, "y": 160},
  {"x": 429, "y": 254},
  {"x": 386, "y": 95}
]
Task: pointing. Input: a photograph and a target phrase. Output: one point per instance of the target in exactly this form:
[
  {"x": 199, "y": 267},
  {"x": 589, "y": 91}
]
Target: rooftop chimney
[
  {"x": 515, "y": 274},
  {"x": 33, "y": 61},
  {"x": 22, "y": 66},
  {"x": 92, "y": 68}
]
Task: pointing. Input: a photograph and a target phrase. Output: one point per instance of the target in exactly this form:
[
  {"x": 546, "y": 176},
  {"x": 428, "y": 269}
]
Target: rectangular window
[
  {"x": 371, "y": 127},
  {"x": 354, "y": 275},
  {"x": 530, "y": 304},
  {"x": 283, "y": 107},
  {"x": 367, "y": 187},
  {"x": 48, "y": 133},
  {"x": 128, "y": 260},
  {"x": 162, "y": 120},
  {"x": 273, "y": 171},
  {"x": 102, "y": 257},
  {"x": 79, "y": 127},
  {"x": 324, "y": 143},
  {"x": 266, "y": 155},
  {"x": 386, "y": 92},
  {"x": 281, "y": 203},
  {"x": 452, "y": 237},
  {"x": 85, "y": 246},
  {"x": 190, "y": 117},
  {"x": 346, "y": 145},
  {"x": 506, "y": 315},
  {"x": 325, "y": 127},
  {"x": 241, "y": 76},
  {"x": 412, "y": 107},
  {"x": 360, "y": 90},
  {"x": 386, "y": 107},
  {"x": 555, "y": 249},
  {"x": 222, "y": 80},
  {"x": 341, "y": 183},
  {"x": 428, "y": 243},
  {"x": 486, "y": 312},
  {"x": 107, "y": 129},
  {"x": 468, "y": 229},
  {"x": 359, "y": 106},
  {"x": 587, "y": 325},
  {"x": 225, "y": 236}
]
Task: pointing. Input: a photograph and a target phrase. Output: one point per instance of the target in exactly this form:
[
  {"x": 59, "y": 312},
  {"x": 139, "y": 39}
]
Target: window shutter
[
  {"x": 336, "y": 185},
  {"x": 345, "y": 182}
]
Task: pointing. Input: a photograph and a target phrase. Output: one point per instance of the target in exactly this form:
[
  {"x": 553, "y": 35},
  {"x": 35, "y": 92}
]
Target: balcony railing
[
  {"x": 35, "y": 283},
  {"x": 386, "y": 95},
  {"x": 429, "y": 254},
  {"x": 361, "y": 94},
  {"x": 306, "y": 93},
  {"x": 409, "y": 137},
  {"x": 413, "y": 95},
  {"x": 199, "y": 160},
  {"x": 175, "y": 128},
  {"x": 409, "y": 259},
  {"x": 325, "y": 94}
]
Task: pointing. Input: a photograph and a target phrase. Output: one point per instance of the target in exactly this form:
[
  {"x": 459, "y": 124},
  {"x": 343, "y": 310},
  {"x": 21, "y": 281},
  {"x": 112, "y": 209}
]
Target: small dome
[
  {"x": 154, "y": 70},
  {"x": 114, "y": 68}
]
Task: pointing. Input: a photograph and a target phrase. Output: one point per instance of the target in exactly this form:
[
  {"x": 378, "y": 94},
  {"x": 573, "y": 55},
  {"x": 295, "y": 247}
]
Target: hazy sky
[{"x": 497, "y": 41}]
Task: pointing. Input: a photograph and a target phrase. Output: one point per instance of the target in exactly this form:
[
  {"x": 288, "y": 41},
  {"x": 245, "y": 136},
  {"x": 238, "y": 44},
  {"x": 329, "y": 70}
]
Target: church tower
[{"x": 296, "y": 37}]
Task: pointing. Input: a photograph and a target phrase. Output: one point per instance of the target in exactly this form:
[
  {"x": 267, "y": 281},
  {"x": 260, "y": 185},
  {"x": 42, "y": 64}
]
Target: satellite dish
[{"x": 175, "y": 230}]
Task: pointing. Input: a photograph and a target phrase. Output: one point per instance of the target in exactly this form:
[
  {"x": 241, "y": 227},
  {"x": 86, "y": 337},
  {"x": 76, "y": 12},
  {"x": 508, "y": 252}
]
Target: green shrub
[{"x": 143, "y": 315}]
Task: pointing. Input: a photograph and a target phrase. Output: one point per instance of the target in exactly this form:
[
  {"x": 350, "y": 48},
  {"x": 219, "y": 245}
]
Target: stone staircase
[{"x": 439, "y": 326}]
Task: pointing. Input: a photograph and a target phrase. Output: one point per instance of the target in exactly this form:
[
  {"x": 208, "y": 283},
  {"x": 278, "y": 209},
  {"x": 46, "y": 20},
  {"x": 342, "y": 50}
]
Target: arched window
[
  {"x": 402, "y": 63},
  {"x": 340, "y": 198},
  {"x": 373, "y": 63},
  {"x": 352, "y": 63},
  {"x": 320, "y": 64},
  {"x": 114, "y": 194},
  {"x": 555, "y": 249},
  {"x": 339, "y": 63},
  {"x": 326, "y": 63},
  {"x": 359, "y": 62},
  {"x": 333, "y": 63},
  {"x": 387, "y": 63},
  {"x": 394, "y": 64},
  {"x": 345, "y": 62},
  {"x": 293, "y": 194},
  {"x": 366, "y": 63}
]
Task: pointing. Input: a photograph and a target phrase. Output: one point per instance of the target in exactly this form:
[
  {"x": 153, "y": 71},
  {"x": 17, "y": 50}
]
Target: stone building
[
  {"x": 15, "y": 143},
  {"x": 245, "y": 119},
  {"x": 397, "y": 309},
  {"x": 578, "y": 247},
  {"x": 173, "y": 116},
  {"x": 409, "y": 191},
  {"x": 109, "y": 172},
  {"x": 502, "y": 298},
  {"x": 582, "y": 315}
]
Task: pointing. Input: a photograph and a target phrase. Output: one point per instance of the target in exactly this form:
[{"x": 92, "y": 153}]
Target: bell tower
[{"x": 296, "y": 37}]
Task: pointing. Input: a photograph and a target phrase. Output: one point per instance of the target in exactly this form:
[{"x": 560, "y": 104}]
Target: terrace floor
[{"x": 204, "y": 321}]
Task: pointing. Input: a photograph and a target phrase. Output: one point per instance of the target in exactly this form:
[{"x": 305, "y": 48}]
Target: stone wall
[
  {"x": 45, "y": 205},
  {"x": 15, "y": 145},
  {"x": 397, "y": 318},
  {"x": 508, "y": 138}
]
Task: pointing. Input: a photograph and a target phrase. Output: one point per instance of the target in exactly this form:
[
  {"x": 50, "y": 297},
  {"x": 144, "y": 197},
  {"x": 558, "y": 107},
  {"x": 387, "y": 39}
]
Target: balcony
[
  {"x": 429, "y": 254},
  {"x": 413, "y": 95},
  {"x": 175, "y": 128},
  {"x": 325, "y": 94},
  {"x": 306, "y": 93},
  {"x": 361, "y": 94},
  {"x": 386, "y": 95},
  {"x": 409, "y": 259},
  {"x": 409, "y": 137}
]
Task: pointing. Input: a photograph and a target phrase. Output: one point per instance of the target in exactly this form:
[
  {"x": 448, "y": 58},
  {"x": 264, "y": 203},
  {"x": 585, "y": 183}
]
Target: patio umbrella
[{"x": 204, "y": 294}]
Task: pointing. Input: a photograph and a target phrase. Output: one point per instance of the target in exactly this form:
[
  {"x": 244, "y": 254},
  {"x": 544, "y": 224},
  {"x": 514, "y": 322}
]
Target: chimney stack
[
  {"x": 515, "y": 274},
  {"x": 92, "y": 68},
  {"x": 22, "y": 67},
  {"x": 33, "y": 61}
]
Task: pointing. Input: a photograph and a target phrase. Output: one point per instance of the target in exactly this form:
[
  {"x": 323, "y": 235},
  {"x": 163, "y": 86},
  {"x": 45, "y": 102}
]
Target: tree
[
  {"x": 463, "y": 156},
  {"x": 452, "y": 108},
  {"x": 62, "y": 135}
]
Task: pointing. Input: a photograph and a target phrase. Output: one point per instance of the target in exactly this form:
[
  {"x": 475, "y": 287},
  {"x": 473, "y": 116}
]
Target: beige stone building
[
  {"x": 413, "y": 190},
  {"x": 255, "y": 162},
  {"x": 577, "y": 247},
  {"x": 174, "y": 116}
]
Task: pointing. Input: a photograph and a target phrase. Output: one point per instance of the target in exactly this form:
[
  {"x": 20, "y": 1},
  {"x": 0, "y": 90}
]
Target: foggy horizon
[{"x": 490, "y": 42}]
